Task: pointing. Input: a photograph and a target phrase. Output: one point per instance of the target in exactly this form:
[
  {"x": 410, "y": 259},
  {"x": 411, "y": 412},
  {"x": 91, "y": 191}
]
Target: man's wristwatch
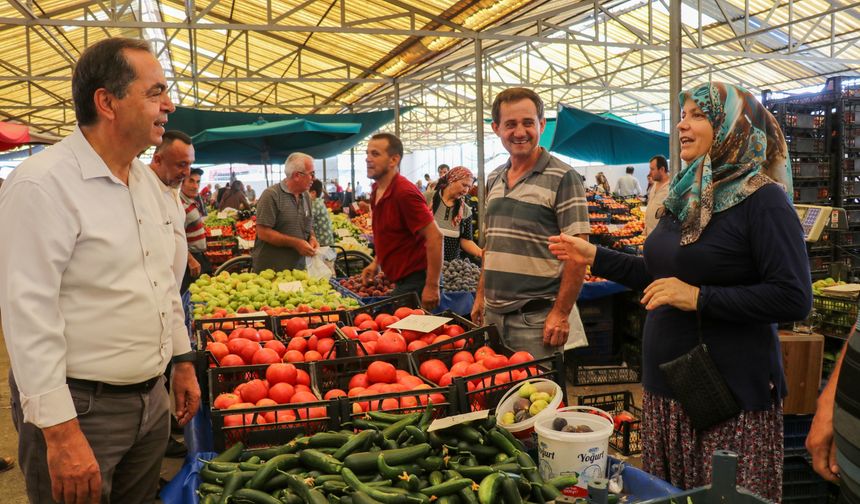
[{"x": 186, "y": 357}]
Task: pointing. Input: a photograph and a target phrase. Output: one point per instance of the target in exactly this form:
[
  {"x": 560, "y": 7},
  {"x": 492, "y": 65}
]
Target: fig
[
  {"x": 521, "y": 404},
  {"x": 521, "y": 415},
  {"x": 559, "y": 424}
]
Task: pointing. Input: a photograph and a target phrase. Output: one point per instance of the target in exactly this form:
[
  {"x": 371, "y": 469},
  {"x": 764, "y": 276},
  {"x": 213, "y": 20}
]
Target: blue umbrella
[{"x": 605, "y": 138}]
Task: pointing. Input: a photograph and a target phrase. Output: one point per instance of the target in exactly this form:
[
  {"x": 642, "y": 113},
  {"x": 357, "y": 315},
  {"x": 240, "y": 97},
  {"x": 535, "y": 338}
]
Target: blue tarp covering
[
  {"x": 193, "y": 121},
  {"x": 605, "y": 138}
]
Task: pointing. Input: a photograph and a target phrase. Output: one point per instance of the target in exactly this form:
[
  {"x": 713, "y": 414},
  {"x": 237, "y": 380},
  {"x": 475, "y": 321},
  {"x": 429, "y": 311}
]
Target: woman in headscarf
[
  {"x": 452, "y": 213},
  {"x": 234, "y": 197},
  {"x": 726, "y": 262}
]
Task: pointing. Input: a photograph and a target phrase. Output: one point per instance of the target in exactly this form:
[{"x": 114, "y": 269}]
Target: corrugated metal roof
[{"x": 325, "y": 56}]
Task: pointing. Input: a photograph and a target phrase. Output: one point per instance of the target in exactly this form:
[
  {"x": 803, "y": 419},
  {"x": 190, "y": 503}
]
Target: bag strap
[{"x": 699, "y": 321}]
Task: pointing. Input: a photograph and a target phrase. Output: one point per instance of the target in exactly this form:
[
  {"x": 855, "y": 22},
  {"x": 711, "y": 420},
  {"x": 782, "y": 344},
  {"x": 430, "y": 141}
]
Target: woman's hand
[
  {"x": 672, "y": 292},
  {"x": 572, "y": 248}
]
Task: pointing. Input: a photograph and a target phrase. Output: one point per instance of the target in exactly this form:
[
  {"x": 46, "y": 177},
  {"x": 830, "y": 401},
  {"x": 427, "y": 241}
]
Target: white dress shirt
[
  {"x": 628, "y": 185},
  {"x": 656, "y": 197},
  {"x": 177, "y": 217},
  {"x": 87, "y": 289}
]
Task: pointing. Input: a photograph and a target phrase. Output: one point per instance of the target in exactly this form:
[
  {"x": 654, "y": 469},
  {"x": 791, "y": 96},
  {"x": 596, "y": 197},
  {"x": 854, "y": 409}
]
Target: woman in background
[
  {"x": 453, "y": 214},
  {"x": 602, "y": 184}
]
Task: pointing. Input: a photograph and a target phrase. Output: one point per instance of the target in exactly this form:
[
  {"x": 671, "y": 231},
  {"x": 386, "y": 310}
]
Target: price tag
[
  {"x": 215, "y": 232},
  {"x": 369, "y": 222},
  {"x": 255, "y": 314},
  {"x": 294, "y": 286},
  {"x": 444, "y": 423},
  {"x": 223, "y": 214},
  {"x": 343, "y": 233},
  {"x": 420, "y": 323},
  {"x": 249, "y": 224}
]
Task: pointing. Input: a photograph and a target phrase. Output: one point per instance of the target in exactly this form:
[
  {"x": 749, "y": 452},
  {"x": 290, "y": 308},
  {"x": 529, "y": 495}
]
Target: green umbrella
[
  {"x": 605, "y": 138},
  {"x": 266, "y": 142}
]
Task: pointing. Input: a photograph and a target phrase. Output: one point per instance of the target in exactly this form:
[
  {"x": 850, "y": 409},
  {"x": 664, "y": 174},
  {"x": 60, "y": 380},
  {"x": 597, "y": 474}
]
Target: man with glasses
[{"x": 285, "y": 234}]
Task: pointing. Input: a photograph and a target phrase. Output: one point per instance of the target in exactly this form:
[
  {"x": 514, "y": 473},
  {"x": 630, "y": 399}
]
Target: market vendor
[
  {"x": 91, "y": 309},
  {"x": 659, "y": 174},
  {"x": 452, "y": 213},
  {"x": 524, "y": 290},
  {"x": 724, "y": 265},
  {"x": 407, "y": 240},
  {"x": 285, "y": 233}
]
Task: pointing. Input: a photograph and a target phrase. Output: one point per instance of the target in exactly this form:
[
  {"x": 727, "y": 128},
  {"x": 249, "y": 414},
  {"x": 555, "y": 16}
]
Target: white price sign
[
  {"x": 215, "y": 232},
  {"x": 420, "y": 323},
  {"x": 343, "y": 233}
]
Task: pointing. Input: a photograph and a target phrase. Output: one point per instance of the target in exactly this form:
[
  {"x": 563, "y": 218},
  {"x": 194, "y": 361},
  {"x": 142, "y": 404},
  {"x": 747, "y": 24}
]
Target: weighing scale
[{"x": 814, "y": 218}]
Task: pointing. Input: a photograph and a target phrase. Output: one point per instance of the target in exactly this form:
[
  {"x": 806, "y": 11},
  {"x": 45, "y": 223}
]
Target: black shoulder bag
[{"x": 700, "y": 388}]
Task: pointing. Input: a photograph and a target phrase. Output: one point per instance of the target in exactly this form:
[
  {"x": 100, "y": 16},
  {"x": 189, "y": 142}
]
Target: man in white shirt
[
  {"x": 91, "y": 310},
  {"x": 659, "y": 190},
  {"x": 628, "y": 185},
  {"x": 171, "y": 163}
]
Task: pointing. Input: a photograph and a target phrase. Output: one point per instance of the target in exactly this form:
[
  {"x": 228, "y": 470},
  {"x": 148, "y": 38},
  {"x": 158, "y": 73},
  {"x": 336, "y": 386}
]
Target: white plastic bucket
[
  {"x": 565, "y": 453},
  {"x": 524, "y": 431}
]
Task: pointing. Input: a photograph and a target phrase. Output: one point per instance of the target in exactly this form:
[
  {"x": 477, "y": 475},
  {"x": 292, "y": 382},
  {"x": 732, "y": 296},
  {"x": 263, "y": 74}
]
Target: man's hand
[
  {"x": 305, "y": 248},
  {"x": 430, "y": 297},
  {"x": 74, "y": 470},
  {"x": 186, "y": 390},
  {"x": 314, "y": 243},
  {"x": 193, "y": 266},
  {"x": 672, "y": 292},
  {"x": 368, "y": 273},
  {"x": 556, "y": 328},
  {"x": 478, "y": 309},
  {"x": 822, "y": 446}
]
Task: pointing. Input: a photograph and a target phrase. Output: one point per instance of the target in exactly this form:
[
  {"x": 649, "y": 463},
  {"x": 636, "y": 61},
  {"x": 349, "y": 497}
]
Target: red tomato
[
  {"x": 402, "y": 312},
  {"x": 254, "y": 390},
  {"x": 325, "y": 331},
  {"x": 225, "y": 400},
  {"x": 334, "y": 393},
  {"x": 265, "y": 356},
  {"x": 294, "y": 356},
  {"x": 415, "y": 345},
  {"x": 295, "y": 324},
  {"x": 454, "y": 330},
  {"x": 390, "y": 342},
  {"x": 622, "y": 418},
  {"x": 312, "y": 355},
  {"x": 361, "y": 317},
  {"x": 281, "y": 393},
  {"x": 277, "y": 346},
  {"x": 381, "y": 372},
  {"x": 281, "y": 373},
  {"x": 297, "y": 344},
  {"x": 218, "y": 350},
  {"x": 463, "y": 355},
  {"x": 219, "y": 336},
  {"x": 266, "y": 335},
  {"x": 349, "y": 331},
  {"x": 250, "y": 333},
  {"x": 433, "y": 369},
  {"x": 303, "y": 378},
  {"x": 520, "y": 357},
  {"x": 232, "y": 360},
  {"x": 368, "y": 324},
  {"x": 359, "y": 381}
]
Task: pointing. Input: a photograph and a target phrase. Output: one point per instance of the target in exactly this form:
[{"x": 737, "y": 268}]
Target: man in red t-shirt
[{"x": 407, "y": 240}]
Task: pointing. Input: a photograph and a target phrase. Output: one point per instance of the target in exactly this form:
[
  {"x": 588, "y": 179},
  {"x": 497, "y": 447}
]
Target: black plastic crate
[
  {"x": 795, "y": 430},
  {"x": 626, "y": 438},
  {"x": 601, "y": 343},
  {"x": 313, "y": 319},
  {"x": 801, "y": 484},
  {"x": 598, "y": 310},
  {"x": 602, "y": 375},
  {"x": 487, "y": 388},
  {"x": 288, "y": 420},
  {"x": 228, "y": 324}
]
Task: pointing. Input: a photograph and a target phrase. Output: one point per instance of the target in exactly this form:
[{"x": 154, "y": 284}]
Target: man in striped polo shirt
[
  {"x": 195, "y": 233},
  {"x": 834, "y": 437},
  {"x": 524, "y": 290}
]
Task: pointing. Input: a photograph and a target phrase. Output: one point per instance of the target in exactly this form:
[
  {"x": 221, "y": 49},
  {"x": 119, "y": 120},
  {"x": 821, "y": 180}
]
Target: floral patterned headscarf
[
  {"x": 454, "y": 175},
  {"x": 749, "y": 152}
]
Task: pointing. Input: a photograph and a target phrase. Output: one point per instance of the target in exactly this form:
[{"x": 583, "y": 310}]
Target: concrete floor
[{"x": 12, "y": 482}]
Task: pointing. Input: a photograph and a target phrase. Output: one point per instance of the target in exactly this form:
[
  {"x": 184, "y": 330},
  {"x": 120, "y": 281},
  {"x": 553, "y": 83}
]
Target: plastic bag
[{"x": 319, "y": 264}]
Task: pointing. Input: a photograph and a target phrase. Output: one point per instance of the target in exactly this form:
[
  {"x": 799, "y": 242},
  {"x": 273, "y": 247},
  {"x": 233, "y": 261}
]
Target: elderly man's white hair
[{"x": 295, "y": 161}]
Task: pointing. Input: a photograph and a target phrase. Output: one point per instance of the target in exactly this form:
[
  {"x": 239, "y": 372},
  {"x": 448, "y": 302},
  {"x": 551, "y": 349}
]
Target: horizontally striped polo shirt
[
  {"x": 518, "y": 265},
  {"x": 846, "y": 420}
]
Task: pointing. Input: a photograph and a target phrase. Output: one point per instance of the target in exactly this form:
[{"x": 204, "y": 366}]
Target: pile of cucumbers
[{"x": 383, "y": 458}]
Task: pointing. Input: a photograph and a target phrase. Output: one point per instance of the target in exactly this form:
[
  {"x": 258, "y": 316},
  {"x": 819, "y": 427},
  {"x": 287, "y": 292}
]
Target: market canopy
[
  {"x": 605, "y": 138},
  {"x": 266, "y": 142},
  {"x": 193, "y": 121},
  {"x": 15, "y": 135}
]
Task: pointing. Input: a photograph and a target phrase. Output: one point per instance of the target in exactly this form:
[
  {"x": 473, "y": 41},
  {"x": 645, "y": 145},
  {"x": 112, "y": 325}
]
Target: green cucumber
[
  {"x": 510, "y": 492},
  {"x": 418, "y": 436},
  {"x": 510, "y": 467},
  {"x": 449, "y": 487},
  {"x": 234, "y": 482},
  {"x": 323, "y": 462},
  {"x": 359, "y": 497},
  {"x": 386, "y": 498},
  {"x": 307, "y": 494},
  {"x": 384, "y": 416},
  {"x": 431, "y": 463},
  {"x": 476, "y": 473},
  {"x": 208, "y": 488},
  {"x": 221, "y": 466},
  {"x": 210, "y": 476},
  {"x": 502, "y": 442},
  {"x": 364, "y": 462},
  {"x": 356, "y": 442},
  {"x": 549, "y": 492},
  {"x": 561, "y": 482},
  {"x": 328, "y": 440},
  {"x": 275, "y": 464},
  {"x": 392, "y": 472},
  {"x": 490, "y": 488},
  {"x": 251, "y": 496},
  {"x": 394, "y": 430},
  {"x": 230, "y": 454}
]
